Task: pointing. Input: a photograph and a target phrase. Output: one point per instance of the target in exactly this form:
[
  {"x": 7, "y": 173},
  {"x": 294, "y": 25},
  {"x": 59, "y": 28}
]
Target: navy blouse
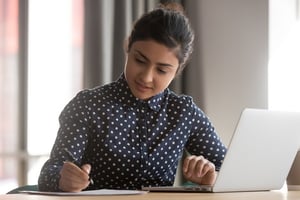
[{"x": 129, "y": 142}]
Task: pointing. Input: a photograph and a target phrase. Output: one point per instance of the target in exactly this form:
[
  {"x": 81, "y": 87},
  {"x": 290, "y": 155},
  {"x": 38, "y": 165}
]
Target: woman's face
[{"x": 150, "y": 68}]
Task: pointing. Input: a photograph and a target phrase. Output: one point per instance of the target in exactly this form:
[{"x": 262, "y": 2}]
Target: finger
[
  {"x": 189, "y": 165},
  {"x": 73, "y": 179},
  {"x": 203, "y": 166},
  {"x": 186, "y": 164},
  {"x": 70, "y": 173},
  {"x": 87, "y": 168},
  {"x": 209, "y": 167},
  {"x": 73, "y": 170},
  {"x": 199, "y": 167}
]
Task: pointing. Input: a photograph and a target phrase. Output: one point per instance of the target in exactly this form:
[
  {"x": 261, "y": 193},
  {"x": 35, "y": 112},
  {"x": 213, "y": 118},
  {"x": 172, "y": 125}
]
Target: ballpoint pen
[{"x": 74, "y": 160}]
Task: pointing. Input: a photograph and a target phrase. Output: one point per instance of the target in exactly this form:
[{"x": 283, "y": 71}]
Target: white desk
[{"x": 272, "y": 195}]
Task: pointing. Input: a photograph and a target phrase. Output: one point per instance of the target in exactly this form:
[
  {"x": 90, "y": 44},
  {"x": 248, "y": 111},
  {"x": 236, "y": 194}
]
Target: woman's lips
[{"x": 141, "y": 87}]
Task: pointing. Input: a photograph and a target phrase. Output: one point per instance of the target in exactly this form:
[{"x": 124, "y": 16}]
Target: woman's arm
[{"x": 72, "y": 135}]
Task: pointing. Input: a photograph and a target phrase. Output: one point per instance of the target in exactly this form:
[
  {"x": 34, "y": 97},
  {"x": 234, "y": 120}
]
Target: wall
[{"x": 232, "y": 50}]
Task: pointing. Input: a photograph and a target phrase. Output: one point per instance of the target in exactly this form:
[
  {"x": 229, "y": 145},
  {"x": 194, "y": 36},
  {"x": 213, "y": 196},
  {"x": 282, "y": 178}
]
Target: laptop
[{"x": 259, "y": 156}]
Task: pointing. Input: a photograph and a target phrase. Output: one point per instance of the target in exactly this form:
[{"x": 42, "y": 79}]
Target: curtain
[{"x": 13, "y": 91}]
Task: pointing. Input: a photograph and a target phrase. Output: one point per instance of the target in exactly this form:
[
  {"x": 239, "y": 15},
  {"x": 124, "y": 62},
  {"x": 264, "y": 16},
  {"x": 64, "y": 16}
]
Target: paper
[{"x": 89, "y": 192}]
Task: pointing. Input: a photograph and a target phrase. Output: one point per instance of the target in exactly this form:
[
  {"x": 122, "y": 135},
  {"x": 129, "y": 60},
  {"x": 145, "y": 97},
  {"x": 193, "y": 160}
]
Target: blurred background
[{"x": 246, "y": 55}]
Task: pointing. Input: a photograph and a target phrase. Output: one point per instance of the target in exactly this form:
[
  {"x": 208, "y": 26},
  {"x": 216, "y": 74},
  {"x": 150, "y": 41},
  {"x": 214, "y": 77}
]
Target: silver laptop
[{"x": 260, "y": 154}]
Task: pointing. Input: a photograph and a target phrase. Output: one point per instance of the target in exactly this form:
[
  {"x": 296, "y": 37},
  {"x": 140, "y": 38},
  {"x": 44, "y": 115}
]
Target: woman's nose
[{"x": 147, "y": 75}]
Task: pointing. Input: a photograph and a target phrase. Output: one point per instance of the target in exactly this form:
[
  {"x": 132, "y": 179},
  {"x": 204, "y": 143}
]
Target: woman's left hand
[{"x": 199, "y": 170}]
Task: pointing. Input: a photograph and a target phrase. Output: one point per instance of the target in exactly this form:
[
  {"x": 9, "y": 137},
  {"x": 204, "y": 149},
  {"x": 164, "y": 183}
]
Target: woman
[{"x": 132, "y": 132}]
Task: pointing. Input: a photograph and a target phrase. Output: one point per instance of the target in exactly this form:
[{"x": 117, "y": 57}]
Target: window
[
  {"x": 55, "y": 34},
  {"x": 54, "y": 63},
  {"x": 284, "y": 64},
  {"x": 8, "y": 93}
]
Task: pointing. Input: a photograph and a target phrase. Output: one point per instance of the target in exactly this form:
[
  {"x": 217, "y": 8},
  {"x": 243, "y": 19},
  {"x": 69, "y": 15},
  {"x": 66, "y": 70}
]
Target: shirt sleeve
[
  {"x": 204, "y": 139},
  {"x": 72, "y": 135}
]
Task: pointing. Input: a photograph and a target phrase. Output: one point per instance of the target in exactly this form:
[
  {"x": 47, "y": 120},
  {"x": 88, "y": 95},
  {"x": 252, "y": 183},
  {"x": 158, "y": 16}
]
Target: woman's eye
[
  {"x": 161, "y": 71},
  {"x": 140, "y": 61}
]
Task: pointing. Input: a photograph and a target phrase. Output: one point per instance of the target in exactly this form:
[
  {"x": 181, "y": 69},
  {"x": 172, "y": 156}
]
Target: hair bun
[{"x": 172, "y": 6}]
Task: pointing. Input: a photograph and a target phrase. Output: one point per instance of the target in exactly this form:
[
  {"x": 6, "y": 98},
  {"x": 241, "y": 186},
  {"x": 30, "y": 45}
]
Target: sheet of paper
[{"x": 89, "y": 192}]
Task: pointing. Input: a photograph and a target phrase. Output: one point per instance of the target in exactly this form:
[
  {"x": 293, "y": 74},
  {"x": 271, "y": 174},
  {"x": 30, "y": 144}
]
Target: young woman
[{"x": 132, "y": 132}]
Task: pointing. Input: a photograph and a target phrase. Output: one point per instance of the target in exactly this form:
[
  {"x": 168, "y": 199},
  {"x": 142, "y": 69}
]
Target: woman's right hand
[{"x": 73, "y": 178}]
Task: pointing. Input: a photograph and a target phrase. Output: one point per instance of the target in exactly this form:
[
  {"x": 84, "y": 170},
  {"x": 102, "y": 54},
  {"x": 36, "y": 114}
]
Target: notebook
[{"x": 259, "y": 156}]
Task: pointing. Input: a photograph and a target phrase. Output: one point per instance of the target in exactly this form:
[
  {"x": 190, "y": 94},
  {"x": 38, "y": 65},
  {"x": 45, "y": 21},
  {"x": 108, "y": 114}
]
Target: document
[{"x": 100, "y": 192}]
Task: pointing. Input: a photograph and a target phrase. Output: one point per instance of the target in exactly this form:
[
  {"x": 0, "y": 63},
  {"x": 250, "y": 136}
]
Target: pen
[{"x": 74, "y": 160}]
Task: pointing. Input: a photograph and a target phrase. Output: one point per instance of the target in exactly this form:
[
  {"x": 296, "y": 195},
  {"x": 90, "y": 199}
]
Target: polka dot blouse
[{"x": 129, "y": 142}]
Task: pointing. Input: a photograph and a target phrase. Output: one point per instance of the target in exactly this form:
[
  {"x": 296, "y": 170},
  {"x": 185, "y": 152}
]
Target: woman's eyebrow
[
  {"x": 142, "y": 55},
  {"x": 147, "y": 59}
]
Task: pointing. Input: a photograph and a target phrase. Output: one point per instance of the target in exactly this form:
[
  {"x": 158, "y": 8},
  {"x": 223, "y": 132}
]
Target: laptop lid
[{"x": 261, "y": 151}]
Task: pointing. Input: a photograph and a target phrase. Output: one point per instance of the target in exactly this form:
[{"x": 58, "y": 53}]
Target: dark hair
[{"x": 169, "y": 26}]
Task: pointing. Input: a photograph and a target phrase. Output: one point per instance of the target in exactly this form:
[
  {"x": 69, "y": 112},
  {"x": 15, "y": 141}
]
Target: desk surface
[{"x": 272, "y": 195}]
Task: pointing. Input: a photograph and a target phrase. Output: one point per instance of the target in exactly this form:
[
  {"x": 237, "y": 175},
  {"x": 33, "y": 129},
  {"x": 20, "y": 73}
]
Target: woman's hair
[{"x": 166, "y": 25}]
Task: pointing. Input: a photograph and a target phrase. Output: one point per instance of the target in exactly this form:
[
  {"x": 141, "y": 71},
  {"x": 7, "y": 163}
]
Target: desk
[{"x": 272, "y": 195}]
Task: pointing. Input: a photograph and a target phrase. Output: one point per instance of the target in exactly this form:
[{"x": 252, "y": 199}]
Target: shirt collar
[{"x": 129, "y": 100}]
